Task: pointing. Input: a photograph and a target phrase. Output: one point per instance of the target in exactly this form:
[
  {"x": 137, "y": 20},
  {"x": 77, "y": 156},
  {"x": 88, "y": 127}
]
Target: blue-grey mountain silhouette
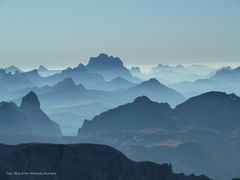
[
  {"x": 81, "y": 162},
  {"x": 115, "y": 84},
  {"x": 229, "y": 77},
  {"x": 79, "y": 74},
  {"x": 14, "y": 81},
  {"x": 45, "y": 72},
  {"x": 28, "y": 119},
  {"x": 143, "y": 112},
  {"x": 207, "y": 120},
  {"x": 12, "y": 69},
  {"x": 212, "y": 109},
  {"x": 110, "y": 67},
  {"x": 155, "y": 91},
  {"x": 190, "y": 89}
]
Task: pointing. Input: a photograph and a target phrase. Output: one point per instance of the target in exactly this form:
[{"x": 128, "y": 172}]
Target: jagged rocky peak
[
  {"x": 30, "y": 100},
  {"x": 104, "y": 59},
  {"x": 42, "y": 68}
]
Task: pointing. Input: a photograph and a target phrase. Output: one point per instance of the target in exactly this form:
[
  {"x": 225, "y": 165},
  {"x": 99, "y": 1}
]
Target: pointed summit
[
  {"x": 42, "y": 68},
  {"x": 152, "y": 83},
  {"x": 30, "y": 100}
]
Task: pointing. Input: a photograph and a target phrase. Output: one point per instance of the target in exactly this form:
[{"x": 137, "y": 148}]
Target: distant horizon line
[{"x": 145, "y": 68}]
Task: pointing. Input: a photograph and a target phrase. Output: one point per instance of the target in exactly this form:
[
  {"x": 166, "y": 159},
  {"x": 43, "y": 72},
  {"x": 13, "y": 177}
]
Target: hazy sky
[{"x": 60, "y": 33}]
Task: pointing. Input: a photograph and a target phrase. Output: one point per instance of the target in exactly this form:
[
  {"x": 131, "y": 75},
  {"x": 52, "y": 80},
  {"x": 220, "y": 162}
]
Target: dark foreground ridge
[{"x": 79, "y": 162}]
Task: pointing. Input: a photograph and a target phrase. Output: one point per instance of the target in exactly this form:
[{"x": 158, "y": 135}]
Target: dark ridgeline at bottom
[{"x": 78, "y": 162}]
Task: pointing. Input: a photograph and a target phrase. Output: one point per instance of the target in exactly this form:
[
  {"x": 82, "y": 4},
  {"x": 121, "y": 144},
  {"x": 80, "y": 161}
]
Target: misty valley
[{"x": 106, "y": 121}]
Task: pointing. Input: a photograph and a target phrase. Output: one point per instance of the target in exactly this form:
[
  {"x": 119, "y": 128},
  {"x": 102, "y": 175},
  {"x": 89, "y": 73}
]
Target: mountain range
[
  {"x": 208, "y": 110},
  {"x": 187, "y": 116},
  {"x": 201, "y": 125}
]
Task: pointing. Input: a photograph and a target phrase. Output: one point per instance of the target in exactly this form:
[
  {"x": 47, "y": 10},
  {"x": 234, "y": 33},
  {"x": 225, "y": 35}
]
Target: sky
[{"x": 62, "y": 33}]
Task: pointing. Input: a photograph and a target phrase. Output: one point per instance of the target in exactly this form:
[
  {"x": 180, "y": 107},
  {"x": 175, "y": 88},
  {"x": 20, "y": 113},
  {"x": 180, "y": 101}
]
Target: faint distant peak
[
  {"x": 12, "y": 69},
  {"x": 179, "y": 66},
  {"x": 42, "y": 68},
  {"x": 30, "y": 100},
  {"x": 67, "y": 82},
  {"x": 119, "y": 79},
  {"x": 152, "y": 82},
  {"x": 163, "y": 66},
  {"x": 32, "y": 72},
  {"x": 136, "y": 69},
  {"x": 225, "y": 69}
]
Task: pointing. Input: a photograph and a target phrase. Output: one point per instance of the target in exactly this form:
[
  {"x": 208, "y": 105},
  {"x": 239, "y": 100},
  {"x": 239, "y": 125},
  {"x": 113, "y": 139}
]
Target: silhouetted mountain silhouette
[
  {"x": 87, "y": 162},
  {"x": 208, "y": 120},
  {"x": 79, "y": 74},
  {"x": 12, "y": 120},
  {"x": 108, "y": 66},
  {"x": 28, "y": 119},
  {"x": 156, "y": 91},
  {"x": 212, "y": 109},
  {"x": 142, "y": 113},
  {"x": 12, "y": 69},
  {"x": 229, "y": 77},
  {"x": 44, "y": 71},
  {"x": 30, "y": 101},
  {"x": 190, "y": 89},
  {"x": 117, "y": 83},
  {"x": 68, "y": 85}
]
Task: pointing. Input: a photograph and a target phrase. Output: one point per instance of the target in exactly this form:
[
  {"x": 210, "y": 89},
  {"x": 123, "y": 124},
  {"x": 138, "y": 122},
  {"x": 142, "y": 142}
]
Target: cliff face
[{"x": 79, "y": 162}]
